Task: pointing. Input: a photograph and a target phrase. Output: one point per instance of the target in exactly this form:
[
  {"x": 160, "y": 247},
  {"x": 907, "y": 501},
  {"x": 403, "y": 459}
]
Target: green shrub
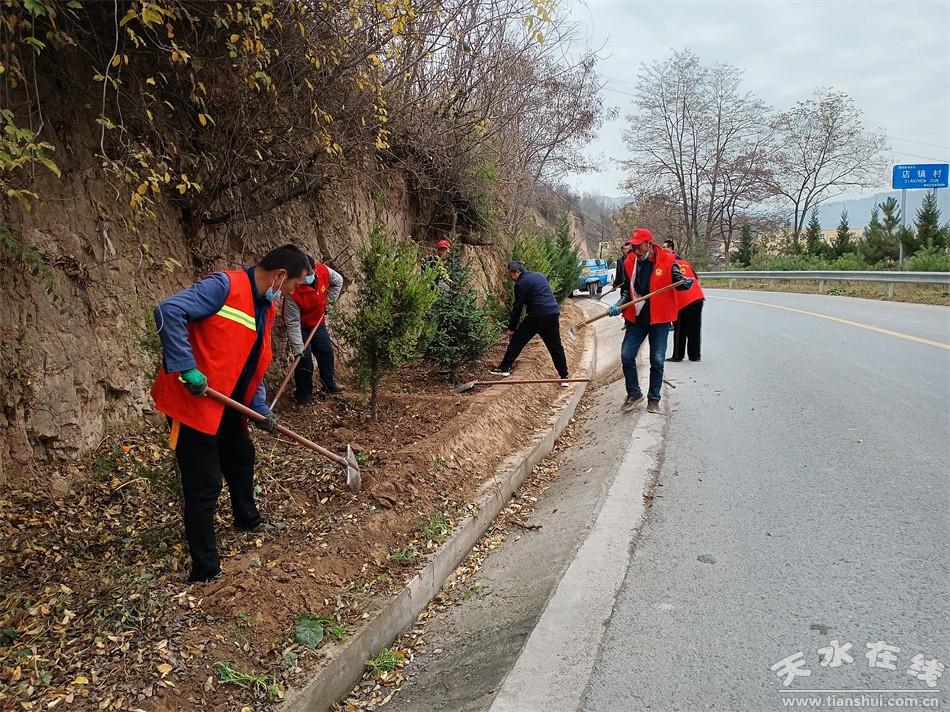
[
  {"x": 929, "y": 259},
  {"x": 849, "y": 262},
  {"x": 463, "y": 329},
  {"x": 553, "y": 254},
  {"x": 391, "y": 323}
]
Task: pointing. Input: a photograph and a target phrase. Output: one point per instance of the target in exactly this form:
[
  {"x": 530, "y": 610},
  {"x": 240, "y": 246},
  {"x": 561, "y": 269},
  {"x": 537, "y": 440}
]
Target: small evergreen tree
[
  {"x": 565, "y": 261},
  {"x": 391, "y": 320},
  {"x": 843, "y": 243},
  {"x": 878, "y": 245},
  {"x": 813, "y": 245},
  {"x": 743, "y": 256},
  {"x": 927, "y": 224},
  {"x": 463, "y": 330}
]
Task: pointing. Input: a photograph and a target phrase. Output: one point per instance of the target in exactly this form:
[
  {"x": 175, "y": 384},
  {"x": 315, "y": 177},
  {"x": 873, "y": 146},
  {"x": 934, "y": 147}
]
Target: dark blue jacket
[
  {"x": 532, "y": 291},
  {"x": 200, "y": 301}
]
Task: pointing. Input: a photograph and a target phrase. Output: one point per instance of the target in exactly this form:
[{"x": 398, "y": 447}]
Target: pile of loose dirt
[{"x": 93, "y": 611}]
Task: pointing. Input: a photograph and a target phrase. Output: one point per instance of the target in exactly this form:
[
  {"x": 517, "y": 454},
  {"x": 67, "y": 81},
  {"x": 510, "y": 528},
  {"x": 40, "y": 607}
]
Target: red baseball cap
[
  {"x": 640, "y": 235},
  {"x": 443, "y": 243}
]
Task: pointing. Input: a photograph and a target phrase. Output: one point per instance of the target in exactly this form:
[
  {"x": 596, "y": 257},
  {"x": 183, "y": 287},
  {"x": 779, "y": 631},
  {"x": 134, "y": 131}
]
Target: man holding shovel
[
  {"x": 216, "y": 334},
  {"x": 647, "y": 268},
  {"x": 305, "y": 310},
  {"x": 533, "y": 293}
]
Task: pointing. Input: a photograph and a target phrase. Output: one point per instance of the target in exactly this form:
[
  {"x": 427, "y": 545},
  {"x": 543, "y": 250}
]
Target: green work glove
[
  {"x": 269, "y": 424},
  {"x": 613, "y": 310},
  {"x": 194, "y": 381}
]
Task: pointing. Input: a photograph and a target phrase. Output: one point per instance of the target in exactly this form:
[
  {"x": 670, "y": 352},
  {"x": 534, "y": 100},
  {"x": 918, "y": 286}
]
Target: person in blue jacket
[{"x": 542, "y": 318}]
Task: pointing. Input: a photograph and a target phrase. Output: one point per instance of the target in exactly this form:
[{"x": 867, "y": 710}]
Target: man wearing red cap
[
  {"x": 648, "y": 268},
  {"x": 439, "y": 263}
]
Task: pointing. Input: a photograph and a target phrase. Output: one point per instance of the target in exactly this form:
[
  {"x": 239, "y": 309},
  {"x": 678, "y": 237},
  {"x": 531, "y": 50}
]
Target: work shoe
[
  {"x": 565, "y": 384},
  {"x": 696, "y": 359},
  {"x": 207, "y": 579},
  {"x": 267, "y": 526},
  {"x": 499, "y": 372},
  {"x": 303, "y": 400},
  {"x": 675, "y": 360},
  {"x": 653, "y": 406},
  {"x": 631, "y": 401}
]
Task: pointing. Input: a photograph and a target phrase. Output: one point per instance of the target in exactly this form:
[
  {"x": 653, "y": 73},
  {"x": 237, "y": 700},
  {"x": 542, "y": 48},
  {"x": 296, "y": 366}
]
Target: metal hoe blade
[
  {"x": 353, "y": 478},
  {"x": 465, "y": 387}
]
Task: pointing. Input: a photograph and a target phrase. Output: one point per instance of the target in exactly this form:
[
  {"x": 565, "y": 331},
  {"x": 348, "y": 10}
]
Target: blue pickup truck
[{"x": 595, "y": 276}]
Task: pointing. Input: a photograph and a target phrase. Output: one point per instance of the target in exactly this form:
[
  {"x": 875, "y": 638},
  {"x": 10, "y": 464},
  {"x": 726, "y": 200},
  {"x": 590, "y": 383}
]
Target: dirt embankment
[
  {"x": 78, "y": 284},
  {"x": 93, "y": 614}
]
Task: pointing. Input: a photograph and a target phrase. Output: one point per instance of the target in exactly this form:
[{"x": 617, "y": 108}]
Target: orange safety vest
[
  {"x": 312, "y": 298},
  {"x": 663, "y": 306},
  {"x": 221, "y": 344},
  {"x": 694, "y": 293}
]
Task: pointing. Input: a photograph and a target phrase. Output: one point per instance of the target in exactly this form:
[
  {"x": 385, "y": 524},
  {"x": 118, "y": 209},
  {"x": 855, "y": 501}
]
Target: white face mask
[{"x": 273, "y": 293}]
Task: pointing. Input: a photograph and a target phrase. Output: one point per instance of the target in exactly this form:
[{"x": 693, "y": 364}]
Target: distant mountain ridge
[{"x": 859, "y": 209}]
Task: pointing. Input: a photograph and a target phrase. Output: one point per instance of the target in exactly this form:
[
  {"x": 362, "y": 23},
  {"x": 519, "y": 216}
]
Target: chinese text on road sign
[{"x": 920, "y": 175}]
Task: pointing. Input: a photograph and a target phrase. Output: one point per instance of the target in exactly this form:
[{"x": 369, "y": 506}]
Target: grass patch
[
  {"x": 259, "y": 683},
  {"x": 406, "y": 555},
  {"x": 386, "y": 660},
  {"x": 478, "y": 590},
  {"x": 435, "y": 528},
  {"x": 914, "y": 293}
]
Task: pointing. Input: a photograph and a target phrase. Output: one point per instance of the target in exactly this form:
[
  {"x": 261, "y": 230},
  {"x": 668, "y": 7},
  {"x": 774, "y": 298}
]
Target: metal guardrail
[{"x": 888, "y": 278}]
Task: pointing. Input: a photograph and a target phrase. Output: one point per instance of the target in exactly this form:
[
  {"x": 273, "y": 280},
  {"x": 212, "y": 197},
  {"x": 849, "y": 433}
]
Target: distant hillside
[{"x": 859, "y": 209}]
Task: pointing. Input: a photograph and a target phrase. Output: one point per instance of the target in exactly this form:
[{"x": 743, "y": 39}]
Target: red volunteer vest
[
  {"x": 694, "y": 293},
  {"x": 312, "y": 298},
  {"x": 663, "y": 306},
  {"x": 221, "y": 344}
]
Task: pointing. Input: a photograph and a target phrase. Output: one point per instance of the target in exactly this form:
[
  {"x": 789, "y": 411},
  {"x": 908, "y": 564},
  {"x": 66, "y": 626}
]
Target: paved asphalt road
[{"x": 802, "y": 499}]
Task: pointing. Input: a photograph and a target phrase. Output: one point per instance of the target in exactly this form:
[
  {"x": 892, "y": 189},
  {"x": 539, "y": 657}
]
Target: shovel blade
[
  {"x": 572, "y": 333},
  {"x": 353, "y": 478},
  {"x": 465, "y": 387}
]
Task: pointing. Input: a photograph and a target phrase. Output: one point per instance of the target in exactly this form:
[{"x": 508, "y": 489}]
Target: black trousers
[
  {"x": 688, "y": 327},
  {"x": 322, "y": 348},
  {"x": 549, "y": 329},
  {"x": 202, "y": 459}
]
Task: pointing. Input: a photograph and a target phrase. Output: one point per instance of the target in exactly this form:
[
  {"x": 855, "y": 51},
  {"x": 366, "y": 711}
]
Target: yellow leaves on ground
[{"x": 164, "y": 669}]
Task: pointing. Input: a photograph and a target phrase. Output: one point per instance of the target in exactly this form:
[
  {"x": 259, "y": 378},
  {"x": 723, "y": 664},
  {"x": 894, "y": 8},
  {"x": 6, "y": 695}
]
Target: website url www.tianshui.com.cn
[{"x": 854, "y": 699}]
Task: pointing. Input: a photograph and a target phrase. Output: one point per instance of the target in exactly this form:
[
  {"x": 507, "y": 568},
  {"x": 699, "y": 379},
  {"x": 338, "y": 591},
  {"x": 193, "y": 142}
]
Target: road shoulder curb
[{"x": 347, "y": 662}]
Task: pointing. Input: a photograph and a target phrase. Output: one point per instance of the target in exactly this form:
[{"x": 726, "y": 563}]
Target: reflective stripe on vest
[{"x": 238, "y": 316}]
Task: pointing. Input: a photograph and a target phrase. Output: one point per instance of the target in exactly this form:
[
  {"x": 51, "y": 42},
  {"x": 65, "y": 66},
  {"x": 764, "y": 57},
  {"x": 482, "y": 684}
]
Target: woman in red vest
[
  {"x": 304, "y": 311},
  {"x": 217, "y": 333},
  {"x": 689, "y": 323},
  {"x": 648, "y": 268}
]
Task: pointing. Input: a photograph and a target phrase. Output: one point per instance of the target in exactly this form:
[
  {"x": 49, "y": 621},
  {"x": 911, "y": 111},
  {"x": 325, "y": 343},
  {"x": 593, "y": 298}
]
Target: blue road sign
[{"x": 920, "y": 175}]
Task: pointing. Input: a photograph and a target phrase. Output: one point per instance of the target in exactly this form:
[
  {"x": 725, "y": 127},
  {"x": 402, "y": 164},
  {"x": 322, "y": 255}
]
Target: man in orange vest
[
  {"x": 690, "y": 317},
  {"x": 306, "y": 309},
  {"x": 217, "y": 334},
  {"x": 648, "y": 268}
]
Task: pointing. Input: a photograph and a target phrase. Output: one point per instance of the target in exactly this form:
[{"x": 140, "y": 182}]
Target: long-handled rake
[
  {"x": 290, "y": 371},
  {"x": 353, "y": 478},
  {"x": 471, "y": 384},
  {"x": 572, "y": 332}
]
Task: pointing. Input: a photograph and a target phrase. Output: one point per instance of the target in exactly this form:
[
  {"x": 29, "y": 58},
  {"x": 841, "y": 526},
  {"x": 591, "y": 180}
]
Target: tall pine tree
[
  {"x": 813, "y": 234},
  {"x": 843, "y": 243},
  {"x": 929, "y": 232},
  {"x": 743, "y": 256}
]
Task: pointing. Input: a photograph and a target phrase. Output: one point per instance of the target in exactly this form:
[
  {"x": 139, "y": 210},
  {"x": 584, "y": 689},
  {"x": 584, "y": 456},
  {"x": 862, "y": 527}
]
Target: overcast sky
[{"x": 892, "y": 57}]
